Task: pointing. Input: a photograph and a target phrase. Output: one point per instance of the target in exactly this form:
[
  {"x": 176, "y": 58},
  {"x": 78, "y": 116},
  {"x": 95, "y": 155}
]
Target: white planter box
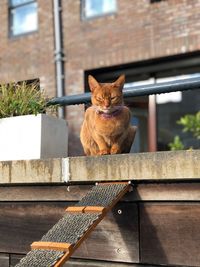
[{"x": 33, "y": 137}]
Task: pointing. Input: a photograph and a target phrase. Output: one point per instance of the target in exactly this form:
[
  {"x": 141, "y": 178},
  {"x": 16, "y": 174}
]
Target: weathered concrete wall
[
  {"x": 31, "y": 171},
  {"x": 159, "y": 165}
]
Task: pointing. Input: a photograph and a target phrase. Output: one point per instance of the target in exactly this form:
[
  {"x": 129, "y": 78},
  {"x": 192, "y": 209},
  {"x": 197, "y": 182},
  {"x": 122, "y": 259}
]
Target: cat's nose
[{"x": 106, "y": 104}]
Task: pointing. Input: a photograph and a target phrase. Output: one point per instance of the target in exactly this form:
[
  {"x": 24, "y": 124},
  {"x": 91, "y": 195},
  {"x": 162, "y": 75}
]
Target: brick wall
[
  {"x": 138, "y": 31},
  {"x": 32, "y": 55}
]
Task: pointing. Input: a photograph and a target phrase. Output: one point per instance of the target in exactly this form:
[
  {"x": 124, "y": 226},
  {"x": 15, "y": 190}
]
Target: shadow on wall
[
  {"x": 74, "y": 145},
  {"x": 138, "y": 239}
]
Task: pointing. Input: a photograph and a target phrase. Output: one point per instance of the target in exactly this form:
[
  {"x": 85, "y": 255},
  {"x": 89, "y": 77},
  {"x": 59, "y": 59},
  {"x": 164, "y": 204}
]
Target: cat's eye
[
  {"x": 114, "y": 98},
  {"x": 99, "y": 99}
]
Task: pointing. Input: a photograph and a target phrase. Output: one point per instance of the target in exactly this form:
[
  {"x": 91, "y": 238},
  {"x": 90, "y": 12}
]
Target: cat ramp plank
[{"x": 60, "y": 242}]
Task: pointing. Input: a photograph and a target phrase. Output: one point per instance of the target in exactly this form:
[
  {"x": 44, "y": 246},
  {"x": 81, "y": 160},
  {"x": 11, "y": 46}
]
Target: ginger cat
[{"x": 106, "y": 127}]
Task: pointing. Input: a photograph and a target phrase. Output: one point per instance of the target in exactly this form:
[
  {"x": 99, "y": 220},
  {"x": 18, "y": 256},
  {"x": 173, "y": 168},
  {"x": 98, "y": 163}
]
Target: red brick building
[{"x": 145, "y": 39}]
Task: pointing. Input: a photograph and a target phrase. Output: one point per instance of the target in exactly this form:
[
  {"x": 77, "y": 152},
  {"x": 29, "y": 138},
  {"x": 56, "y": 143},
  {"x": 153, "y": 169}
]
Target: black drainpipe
[{"x": 59, "y": 54}]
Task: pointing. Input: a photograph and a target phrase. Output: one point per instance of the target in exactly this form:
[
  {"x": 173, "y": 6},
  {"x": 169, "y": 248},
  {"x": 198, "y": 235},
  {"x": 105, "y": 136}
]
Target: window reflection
[
  {"x": 170, "y": 107},
  {"x": 23, "y": 17},
  {"x": 93, "y": 8}
]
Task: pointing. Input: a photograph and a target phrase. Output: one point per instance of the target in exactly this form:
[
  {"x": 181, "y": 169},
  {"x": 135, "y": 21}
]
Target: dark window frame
[
  {"x": 10, "y": 24},
  {"x": 156, "y": 1},
  {"x": 85, "y": 18},
  {"x": 174, "y": 65}
]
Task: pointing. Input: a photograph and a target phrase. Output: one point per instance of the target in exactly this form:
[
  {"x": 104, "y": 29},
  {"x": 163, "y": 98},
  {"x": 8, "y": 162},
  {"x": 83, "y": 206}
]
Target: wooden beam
[
  {"x": 75, "y": 209},
  {"x": 51, "y": 246},
  {"x": 163, "y": 191},
  {"x": 170, "y": 233},
  {"x": 4, "y": 260},
  {"x": 86, "y": 209},
  {"x": 14, "y": 259},
  {"x": 94, "y": 209}
]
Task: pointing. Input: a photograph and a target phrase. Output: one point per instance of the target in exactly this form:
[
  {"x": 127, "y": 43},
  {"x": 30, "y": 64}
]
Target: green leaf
[{"x": 176, "y": 144}]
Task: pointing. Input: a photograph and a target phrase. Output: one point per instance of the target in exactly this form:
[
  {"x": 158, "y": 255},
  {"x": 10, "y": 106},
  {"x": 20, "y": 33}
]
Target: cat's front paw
[
  {"x": 115, "y": 149},
  {"x": 104, "y": 152}
]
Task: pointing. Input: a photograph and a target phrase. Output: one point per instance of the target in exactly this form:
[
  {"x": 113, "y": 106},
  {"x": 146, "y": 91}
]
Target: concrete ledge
[
  {"x": 158, "y": 165},
  {"x": 31, "y": 171},
  {"x": 142, "y": 166}
]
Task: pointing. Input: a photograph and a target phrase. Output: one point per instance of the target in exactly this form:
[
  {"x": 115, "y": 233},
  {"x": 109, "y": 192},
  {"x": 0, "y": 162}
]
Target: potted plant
[{"x": 26, "y": 129}]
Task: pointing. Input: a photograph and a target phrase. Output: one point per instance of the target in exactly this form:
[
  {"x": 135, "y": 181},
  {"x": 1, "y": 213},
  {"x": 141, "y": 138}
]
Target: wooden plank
[
  {"x": 92, "y": 209},
  {"x": 43, "y": 192},
  {"x": 4, "y": 260},
  {"x": 23, "y": 223},
  {"x": 142, "y": 191},
  {"x": 86, "y": 209},
  {"x": 82, "y": 263},
  {"x": 92, "y": 263},
  {"x": 170, "y": 234},
  {"x": 166, "y": 192},
  {"x": 115, "y": 238},
  {"x": 66, "y": 247},
  {"x": 14, "y": 259},
  {"x": 75, "y": 209}
]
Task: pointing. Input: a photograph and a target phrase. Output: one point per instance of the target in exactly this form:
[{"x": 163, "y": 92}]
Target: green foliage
[
  {"x": 176, "y": 144},
  {"x": 190, "y": 123},
  {"x": 21, "y": 99}
]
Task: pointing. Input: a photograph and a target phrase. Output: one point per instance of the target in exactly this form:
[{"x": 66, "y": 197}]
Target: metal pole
[
  {"x": 59, "y": 57},
  {"x": 152, "y": 125},
  {"x": 179, "y": 85}
]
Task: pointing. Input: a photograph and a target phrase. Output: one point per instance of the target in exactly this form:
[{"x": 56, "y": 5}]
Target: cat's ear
[
  {"x": 120, "y": 82},
  {"x": 92, "y": 83}
]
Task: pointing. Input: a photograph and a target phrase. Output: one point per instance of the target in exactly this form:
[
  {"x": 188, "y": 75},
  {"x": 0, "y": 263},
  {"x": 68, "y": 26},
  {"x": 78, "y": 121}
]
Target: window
[
  {"x": 23, "y": 17},
  {"x": 96, "y": 8},
  {"x": 155, "y": 1},
  {"x": 170, "y": 108}
]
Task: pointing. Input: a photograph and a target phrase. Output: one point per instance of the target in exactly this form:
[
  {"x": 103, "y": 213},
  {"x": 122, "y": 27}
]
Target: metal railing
[{"x": 144, "y": 90}]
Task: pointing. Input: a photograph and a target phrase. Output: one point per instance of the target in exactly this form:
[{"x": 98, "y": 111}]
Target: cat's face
[{"x": 107, "y": 97}]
